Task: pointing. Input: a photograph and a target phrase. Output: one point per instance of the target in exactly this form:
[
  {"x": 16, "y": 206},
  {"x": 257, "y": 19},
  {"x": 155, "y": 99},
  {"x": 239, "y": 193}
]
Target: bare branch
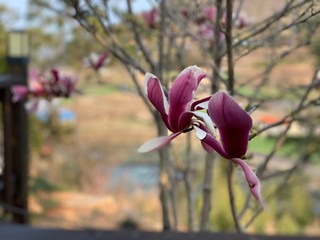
[
  {"x": 232, "y": 198},
  {"x": 138, "y": 39},
  {"x": 207, "y": 192},
  {"x": 229, "y": 47},
  {"x": 265, "y": 24}
]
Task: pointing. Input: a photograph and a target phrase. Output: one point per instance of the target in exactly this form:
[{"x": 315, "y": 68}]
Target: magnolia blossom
[
  {"x": 200, "y": 16},
  {"x": 240, "y": 21},
  {"x": 34, "y": 87},
  {"x": 176, "y": 110},
  {"x": 210, "y": 13},
  {"x": 96, "y": 61},
  {"x": 151, "y": 17},
  {"x": 206, "y": 32},
  {"x": 234, "y": 126},
  {"x": 44, "y": 86},
  {"x": 180, "y": 113},
  {"x": 58, "y": 85}
]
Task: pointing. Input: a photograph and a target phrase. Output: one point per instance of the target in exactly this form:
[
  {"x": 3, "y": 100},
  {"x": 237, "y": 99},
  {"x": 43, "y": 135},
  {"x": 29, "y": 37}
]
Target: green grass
[
  {"x": 261, "y": 145},
  {"x": 291, "y": 148},
  {"x": 92, "y": 91},
  {"x": 100, "y": 90},
  {"x": 265, "y": 93},
  {"x": 42, "y": 184}
]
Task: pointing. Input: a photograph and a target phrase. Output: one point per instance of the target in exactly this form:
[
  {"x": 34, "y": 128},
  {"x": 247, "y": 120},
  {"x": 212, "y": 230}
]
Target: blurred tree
[{"x": 162, "y": 39}]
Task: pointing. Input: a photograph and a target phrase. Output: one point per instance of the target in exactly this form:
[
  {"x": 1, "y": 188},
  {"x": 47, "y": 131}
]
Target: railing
[{"x": 8, "y": 232}]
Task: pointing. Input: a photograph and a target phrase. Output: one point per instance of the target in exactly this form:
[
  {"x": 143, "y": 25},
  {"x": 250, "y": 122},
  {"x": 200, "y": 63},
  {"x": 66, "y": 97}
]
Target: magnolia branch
[{"x": 138, "y": 40}]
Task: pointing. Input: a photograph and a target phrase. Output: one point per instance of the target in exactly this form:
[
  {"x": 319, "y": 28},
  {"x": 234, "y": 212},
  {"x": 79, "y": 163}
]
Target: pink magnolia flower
[
  {"x": 35, "y": 82},
  {"x": 185, "y": 12},
  {"x": 242, "y": 22},
  {"x": 151, "y": 17},
  {"x": 206, "y": 32},
  {"x": 101, "y": 60},
  {"x": 43, "y": 86},
  {"x": 19, "y": 92},
  {"x": 234, "y": 126},
  {"x": 176, "y": 110},
  {"x": 96, "y": 61},
  {"x": 206, "y": 15},
  {"x": 60, "y": 85},
  {"x": 210, "y": 13}
]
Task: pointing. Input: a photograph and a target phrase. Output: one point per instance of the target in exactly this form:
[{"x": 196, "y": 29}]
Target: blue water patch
[
  {"x": 66, "y": 115},
  {"x": 43, "y": 116},
  {"x": 131, "y": 176}
]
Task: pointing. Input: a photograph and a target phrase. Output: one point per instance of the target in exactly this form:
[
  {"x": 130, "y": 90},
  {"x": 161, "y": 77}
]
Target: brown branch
[
  {"x": 289, "y": 118},
  {"x": 164, "y": 178},
  {"x": 282, "y": 136},
  {"x": 140, "y": 91},
  {"x": 138, "y": 40},
  {"x": 265, "y": 24},
  {"x": 230, "y": 87},
  {"x": 161, "y": 37},
  {"x": 230, "y": 47},
  {"x": 217, "y": 50},
  {"x": 207, "y": 192},
  {"x": 235, "y": 217},
  {"x": 301, "y": 106},
  {"x": 188, "y": 185},
  {"x": 304, "y": 158},
  {"x": 209, "y": 164}
]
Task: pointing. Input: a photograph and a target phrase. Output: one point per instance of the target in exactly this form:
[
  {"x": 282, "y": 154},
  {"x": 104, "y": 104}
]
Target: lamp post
[
  {"x": 15, "y": 130},
  {"x": 18, "y": 51}
]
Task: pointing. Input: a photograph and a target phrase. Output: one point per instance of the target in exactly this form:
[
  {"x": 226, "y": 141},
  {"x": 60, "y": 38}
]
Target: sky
[{"x": 20, "y": 6}]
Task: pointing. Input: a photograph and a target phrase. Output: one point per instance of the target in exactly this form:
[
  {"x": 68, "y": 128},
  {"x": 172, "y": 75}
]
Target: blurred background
[{"x": 85, "y": 171}]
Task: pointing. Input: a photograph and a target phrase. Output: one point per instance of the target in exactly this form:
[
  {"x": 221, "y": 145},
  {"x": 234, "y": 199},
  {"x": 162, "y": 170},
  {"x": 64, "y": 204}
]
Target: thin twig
[
  {"x": 207, "y": 192},
  {"x": 281, "y": 138},
  {"x": 265, "y": 24},
  {"x": 138, "y": 40},
  {"x": 217, "y": 50},
  {"x": 232, "y": 198},
  {"x": 230, "y": 47},
  {"x": 304, "y": 158},
  {"x": 187, "y": 182},
  {"x": 161, "y": 37},
  {"x": 230, "y": 87}
]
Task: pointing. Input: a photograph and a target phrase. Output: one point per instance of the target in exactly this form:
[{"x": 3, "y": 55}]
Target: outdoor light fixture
[{"x": 18, "y": 47}]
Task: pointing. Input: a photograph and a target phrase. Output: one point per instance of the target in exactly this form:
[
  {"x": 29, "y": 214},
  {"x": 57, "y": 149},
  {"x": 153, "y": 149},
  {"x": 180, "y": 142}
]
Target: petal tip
[{"x": 157, "y": 143}]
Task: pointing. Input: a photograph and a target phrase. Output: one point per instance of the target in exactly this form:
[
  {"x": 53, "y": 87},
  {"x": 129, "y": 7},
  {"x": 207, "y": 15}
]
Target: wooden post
[
  {"x": 7, "y": 195},
  {"x": 16, "y": 149},
  {"x": 20, "y": 166}
]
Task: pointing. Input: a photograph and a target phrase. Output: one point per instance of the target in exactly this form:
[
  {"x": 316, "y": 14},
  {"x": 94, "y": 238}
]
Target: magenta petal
[
  {"x": 156, "y": 96},
  {"x": 207, "y": 139},
  {"x": 233, "y": 123},
  {"x": 200, "y": 104},
  {"x": 252, "y": 180},
  {"x": 55, "y": 74},
  {"x": 210, "y": 13},
  {"x": 32, "y": 105},
  {"x": 182, "y": 94},
  {"x": 157, "y": 143},
  {"x": 185, "y": 120},
  {"x": 206, "y": 147},
  {"x": 101, "y": 60},
  {"x": 19, "y": 92},
  {"x": 150, "y": 17}
]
